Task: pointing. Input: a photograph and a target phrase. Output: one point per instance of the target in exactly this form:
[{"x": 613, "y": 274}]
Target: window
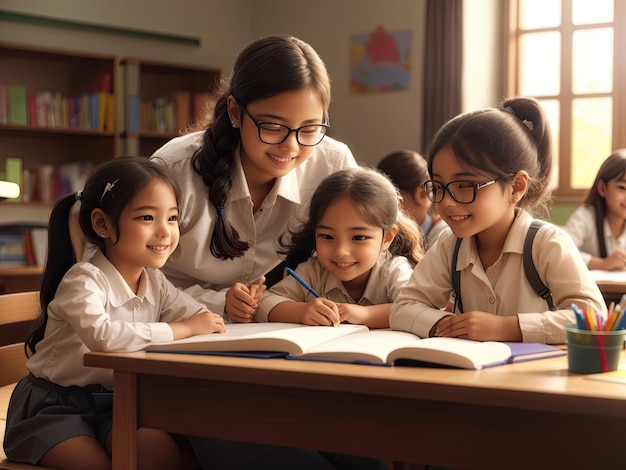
[{"x": 570, "y": 55}]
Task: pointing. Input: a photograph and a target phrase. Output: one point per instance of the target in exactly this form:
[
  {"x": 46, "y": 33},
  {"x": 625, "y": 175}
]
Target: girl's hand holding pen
[
  {"x": 242, "y": 301},
  {"x": 320, "y": 312}
]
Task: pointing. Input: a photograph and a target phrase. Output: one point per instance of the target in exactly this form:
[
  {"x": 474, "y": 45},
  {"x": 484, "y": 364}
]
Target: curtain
[{"x": 443, "y": 65}]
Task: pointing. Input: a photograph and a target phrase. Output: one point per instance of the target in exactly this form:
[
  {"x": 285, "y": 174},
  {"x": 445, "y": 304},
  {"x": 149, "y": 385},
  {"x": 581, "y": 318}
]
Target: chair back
[{"x": 18, "y": 312}]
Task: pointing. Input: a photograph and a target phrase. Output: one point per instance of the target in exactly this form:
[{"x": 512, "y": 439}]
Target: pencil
[{"x": 303, "y": 283}]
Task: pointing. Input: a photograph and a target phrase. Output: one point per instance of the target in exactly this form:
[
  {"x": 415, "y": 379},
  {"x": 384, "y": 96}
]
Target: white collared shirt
[
  {"x": 501, "y": 289},
  {"x": 95, "y": 310},
  {"x": 192, "y": 267},
  {"x": 581, "y": 226},
  {"x": 386, "y": 279}
]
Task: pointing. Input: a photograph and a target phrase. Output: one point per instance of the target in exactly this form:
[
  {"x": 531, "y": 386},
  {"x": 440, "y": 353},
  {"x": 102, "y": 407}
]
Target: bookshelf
[
  {"x": 69, "y": 111},
  {"x": 161, "y": 100}
]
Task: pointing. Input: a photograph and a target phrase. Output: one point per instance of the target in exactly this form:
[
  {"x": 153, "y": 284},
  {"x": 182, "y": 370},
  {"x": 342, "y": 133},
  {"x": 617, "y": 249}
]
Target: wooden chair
[{"x": 17, "y": 314}]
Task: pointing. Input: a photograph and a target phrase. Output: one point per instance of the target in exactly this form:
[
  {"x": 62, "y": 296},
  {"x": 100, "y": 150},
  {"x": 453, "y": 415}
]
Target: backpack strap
[
  {"x": 456, "y": 279},
  {"x": 529, "y": 270},
  {"x": 529, "y": 266}
]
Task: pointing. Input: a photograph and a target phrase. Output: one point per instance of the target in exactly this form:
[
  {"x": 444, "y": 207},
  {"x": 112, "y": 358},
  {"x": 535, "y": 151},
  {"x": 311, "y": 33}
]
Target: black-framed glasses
[
  {"x": 273, "y": 133},
  {"x": 462, "y": 191}
]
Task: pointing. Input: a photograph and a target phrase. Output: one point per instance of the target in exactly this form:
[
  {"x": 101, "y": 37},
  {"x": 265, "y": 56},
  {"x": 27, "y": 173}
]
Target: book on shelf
[
  {"x": 4, "y": 104},
  {"x": 18, "y": 107},
  {"x": 357, "y": 344},
  {"x": 13, "y": 174},
  {"x": 23, "y": 243}
]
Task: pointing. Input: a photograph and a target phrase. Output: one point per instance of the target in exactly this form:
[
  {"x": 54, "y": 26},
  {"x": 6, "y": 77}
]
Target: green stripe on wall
[{"x": 97, "y": 28}]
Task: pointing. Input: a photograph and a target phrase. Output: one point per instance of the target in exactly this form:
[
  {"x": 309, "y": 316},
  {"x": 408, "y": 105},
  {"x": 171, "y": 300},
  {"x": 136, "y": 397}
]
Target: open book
[
  {"x": 355, "y": 344},
  {"x": 259, "y": 339},
  {"x": 397, "y": 347}
]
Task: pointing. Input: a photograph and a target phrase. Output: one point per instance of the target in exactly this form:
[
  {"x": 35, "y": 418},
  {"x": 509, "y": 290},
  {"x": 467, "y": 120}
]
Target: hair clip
[
  {"x": 108, "y": 188},
  {"x": 79, "y": 195},
  {"x": 221, "y": 211},
  {"x": 526, "y": 122}
]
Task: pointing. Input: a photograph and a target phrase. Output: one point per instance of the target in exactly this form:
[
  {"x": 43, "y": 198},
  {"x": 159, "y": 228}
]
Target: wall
[{"x": 371, "y": 124}]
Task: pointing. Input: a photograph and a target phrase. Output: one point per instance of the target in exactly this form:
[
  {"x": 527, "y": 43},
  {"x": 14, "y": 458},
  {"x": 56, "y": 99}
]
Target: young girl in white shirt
[
  {"x": 598, "y": 227},
  {"x": 408, "y": 170},
  {"x": 360, "y": 250},
  {"x": 60, "y": 414},
  {"x": 488, "y": 169}
]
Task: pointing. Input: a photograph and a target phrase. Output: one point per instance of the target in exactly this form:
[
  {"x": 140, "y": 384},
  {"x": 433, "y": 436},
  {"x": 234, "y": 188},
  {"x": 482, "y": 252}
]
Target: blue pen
[{"x": 303, "y": 283}]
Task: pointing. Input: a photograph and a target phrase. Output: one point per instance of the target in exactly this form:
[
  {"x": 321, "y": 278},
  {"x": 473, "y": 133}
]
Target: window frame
[{"x": 565, "y": 97}]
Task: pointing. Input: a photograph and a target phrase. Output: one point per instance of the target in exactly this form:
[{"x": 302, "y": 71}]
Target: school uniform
[
  {"x": 501, "y": 289},
  {"x": 93, "y": 310},
  {"x": 192, "y": 267},
  {"x": 386, "y": 279},
  {"x": 430, "y": 230},
  {"x": 581, "y": 226}
]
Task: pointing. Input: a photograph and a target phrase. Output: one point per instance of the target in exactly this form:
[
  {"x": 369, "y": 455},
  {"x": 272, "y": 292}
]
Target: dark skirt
[{"x": 42, "y": 414}]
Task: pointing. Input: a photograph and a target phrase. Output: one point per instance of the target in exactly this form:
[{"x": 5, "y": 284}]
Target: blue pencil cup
[{"x": 591, "y": 352}]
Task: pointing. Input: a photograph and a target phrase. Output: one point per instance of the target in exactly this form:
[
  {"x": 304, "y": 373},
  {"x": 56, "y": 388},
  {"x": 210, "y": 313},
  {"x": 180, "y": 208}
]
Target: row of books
[
  {"x": 166, "y": 115},
  {"x": 23, "y": 244},
  {"x": 94, "y": 110},
  {"x": 45, "y": 183}
]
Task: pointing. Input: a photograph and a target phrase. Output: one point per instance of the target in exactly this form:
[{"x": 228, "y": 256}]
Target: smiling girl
[
  {"x": 361, "y": 249},
  {"x": 489, "y": 169},
  {"x": 117, "y": 300}
]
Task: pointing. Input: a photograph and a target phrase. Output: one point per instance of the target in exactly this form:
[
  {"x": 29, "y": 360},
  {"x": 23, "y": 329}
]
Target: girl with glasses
[
  {"x": 489, "y": 171},
  {"x": 250, "y": 171}
]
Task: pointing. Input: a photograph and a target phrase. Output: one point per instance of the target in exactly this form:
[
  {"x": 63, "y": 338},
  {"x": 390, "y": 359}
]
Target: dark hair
[
  {"x": 110, "y": 188},
  {"x": 265, "y": 68},
  {"x": 406, "y": 168},
  {"x": 375, "y": 199},
  {"x": 613, "y": 168},
  {"x": 502, "y": 141}
]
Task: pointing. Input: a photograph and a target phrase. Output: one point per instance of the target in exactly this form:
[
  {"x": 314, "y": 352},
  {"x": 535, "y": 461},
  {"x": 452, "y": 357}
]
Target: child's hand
[
  {"x": 615, "y": 262},
  {"x": 479, "y": 326},
  {"x": 200, "y": 324},
  {"x": 322, "y": 312},
  {"x": 242, "y": 301}
]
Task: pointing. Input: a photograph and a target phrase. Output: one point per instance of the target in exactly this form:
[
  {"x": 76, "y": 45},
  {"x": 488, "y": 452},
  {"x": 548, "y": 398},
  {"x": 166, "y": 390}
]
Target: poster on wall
[{"x": 379, "y": 61}]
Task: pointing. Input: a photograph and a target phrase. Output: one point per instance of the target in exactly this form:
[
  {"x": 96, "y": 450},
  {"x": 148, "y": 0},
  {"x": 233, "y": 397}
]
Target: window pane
[
  {"x": 539, "y": 13},
  {"x": 552, "y": 110},
  {"x": 590, "y": 12},
  {"x": 591, "y": 138},
  {"x": 540, "y": 64},
  {"x": 593, "y": 61}
]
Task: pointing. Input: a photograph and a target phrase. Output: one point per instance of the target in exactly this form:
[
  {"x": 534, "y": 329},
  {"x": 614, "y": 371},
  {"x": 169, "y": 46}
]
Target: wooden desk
[
  {"x": 612, "y": 284},
  {"x": 527, "y": 415}
]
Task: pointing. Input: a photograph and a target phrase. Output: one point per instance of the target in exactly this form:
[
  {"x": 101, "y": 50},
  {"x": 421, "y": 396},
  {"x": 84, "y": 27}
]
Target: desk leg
[{"x": 124, "y": 420}]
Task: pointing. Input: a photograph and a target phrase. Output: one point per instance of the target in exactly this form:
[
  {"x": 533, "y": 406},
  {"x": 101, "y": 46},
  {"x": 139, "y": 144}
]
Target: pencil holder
[{"x": 590, "y": 352}]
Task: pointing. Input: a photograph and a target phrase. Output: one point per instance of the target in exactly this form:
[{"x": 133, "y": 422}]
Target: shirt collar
[
  {"x": 514, "y": 243},
  {"x": 120, "y": 292}
]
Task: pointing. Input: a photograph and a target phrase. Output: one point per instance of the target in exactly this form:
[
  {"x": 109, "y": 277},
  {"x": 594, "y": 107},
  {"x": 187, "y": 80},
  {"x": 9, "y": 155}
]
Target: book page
[
  {"x": 291, "y": 338},
  {"x": 455, "y": 352},
  {"x": 371, "y": 346}
]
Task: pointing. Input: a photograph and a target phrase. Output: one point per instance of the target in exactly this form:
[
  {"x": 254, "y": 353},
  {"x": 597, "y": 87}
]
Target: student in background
[
  {"x": 598, "y": 227},
  {"x": 250, "y": 171},
  {"x": 60, "y": 414},
  {"x": 408, "y": 170},
  {"x": 484, "y": 185},
  {"x": 360, "y": 250}
]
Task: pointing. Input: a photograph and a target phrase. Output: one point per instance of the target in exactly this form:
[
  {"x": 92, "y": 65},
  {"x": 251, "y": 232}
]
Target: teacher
[{"x": 251, "y": 172}]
